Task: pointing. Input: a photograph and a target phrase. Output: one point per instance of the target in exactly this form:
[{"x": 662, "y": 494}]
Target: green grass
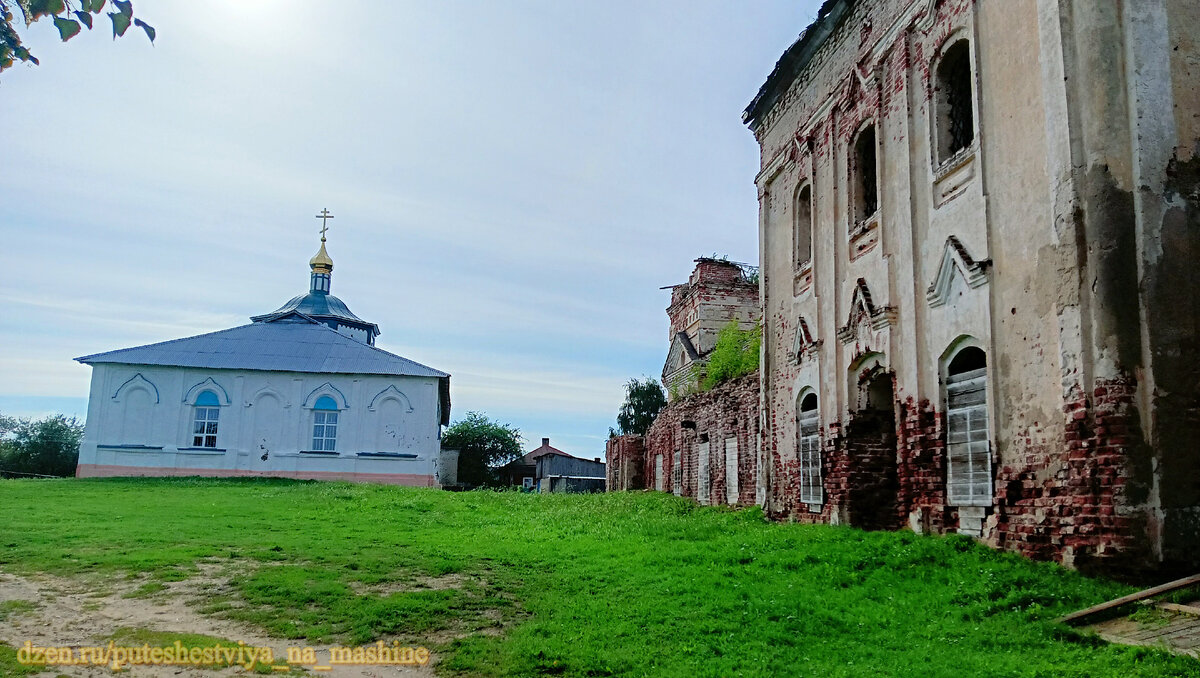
[
  {"x": 147, "y": 590},
  {"x": 9, "y": 666},
  {"x": 10, "y": 608},
  {"x": 135, "y": 637},
  {"x": 632, "y": 584}
]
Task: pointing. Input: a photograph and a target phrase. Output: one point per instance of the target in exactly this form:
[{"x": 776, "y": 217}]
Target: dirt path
[{"x": 73, "y": 613}]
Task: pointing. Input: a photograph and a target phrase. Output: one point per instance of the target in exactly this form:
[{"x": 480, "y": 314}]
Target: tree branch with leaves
[
  {"x": 644, "y": 399},
  {"x": 70, "y": 17}
]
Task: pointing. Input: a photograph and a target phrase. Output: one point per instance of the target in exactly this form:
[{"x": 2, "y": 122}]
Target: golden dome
[{"x": 321, "y": 259}]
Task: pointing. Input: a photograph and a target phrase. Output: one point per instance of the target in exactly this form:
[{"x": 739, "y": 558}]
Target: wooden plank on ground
[
  {"x": 1176, "y": 607},
  {"x": 1131, "y": 598}
]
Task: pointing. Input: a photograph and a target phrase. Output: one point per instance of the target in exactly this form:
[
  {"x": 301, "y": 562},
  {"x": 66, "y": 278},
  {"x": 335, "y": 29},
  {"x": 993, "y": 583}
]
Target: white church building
[{"x": 301, "y": 392}]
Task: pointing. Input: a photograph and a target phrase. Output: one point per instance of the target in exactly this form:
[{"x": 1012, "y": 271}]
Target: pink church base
[{"x": 103, "y": 471}]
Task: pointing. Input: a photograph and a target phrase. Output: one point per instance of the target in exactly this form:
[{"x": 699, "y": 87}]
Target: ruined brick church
[
  {"x": 703, "y": 445},
  {"x": 978, "y": 234}
]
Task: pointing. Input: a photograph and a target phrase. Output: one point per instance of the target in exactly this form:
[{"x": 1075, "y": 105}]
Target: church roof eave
[
  {"x": 795, "y": 58},
  {"x": 306, "y": 346}
]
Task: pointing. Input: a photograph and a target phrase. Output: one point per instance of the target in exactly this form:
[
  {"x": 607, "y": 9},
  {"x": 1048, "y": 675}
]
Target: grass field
[{"x": 594, "y": 585}]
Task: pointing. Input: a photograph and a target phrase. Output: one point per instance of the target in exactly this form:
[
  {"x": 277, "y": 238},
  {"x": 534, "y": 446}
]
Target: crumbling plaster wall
[
  {"x": 1079, "y": 294},
  {"x": 874, "y": 70}
]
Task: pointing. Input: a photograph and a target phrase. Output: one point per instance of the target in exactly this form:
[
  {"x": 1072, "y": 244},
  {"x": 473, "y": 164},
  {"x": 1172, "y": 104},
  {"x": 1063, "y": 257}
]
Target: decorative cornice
[
  {"x": 327, "y": 389},
  {"x": 135, "y": 381},
  {"x": 772, "y": 169},
  {"x": 955, "y": 257},
  {"x": 918, "y": 14},
  {"x": 209, "y": 384},
  {"x": 803, "y": 343},
  {"x": 267, "y": 390},
  {"x": 926, "y": 16},
  {"x": 391, "y": 393},
  {"x": 863, "y": 309}
]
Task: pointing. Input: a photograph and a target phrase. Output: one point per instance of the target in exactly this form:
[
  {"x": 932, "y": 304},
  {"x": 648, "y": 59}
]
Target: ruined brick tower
[
  {"x": 716, "y": 292},
  {"x": 703, "y": 445},
  {"x": 979, "y": 223}
]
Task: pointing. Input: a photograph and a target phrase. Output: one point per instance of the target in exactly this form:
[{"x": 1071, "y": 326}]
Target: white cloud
[{"x": 512, "y": 182}]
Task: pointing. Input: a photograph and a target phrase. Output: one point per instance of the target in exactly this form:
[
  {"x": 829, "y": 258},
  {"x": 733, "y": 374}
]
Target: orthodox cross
[{"x": 324, "y": 216}]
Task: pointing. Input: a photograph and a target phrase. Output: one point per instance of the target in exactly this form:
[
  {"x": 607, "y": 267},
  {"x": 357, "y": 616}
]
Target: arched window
[
  {"x": 866, "y": 171},
  {"x": 955, "y": 115},
  {"x": 325, "y": 423},
  {"x": 804, "y": 227},
  {"x": 807, "y": 426},
  {"x": 205, "y": 419},
  {"x": 969, "y": 469}
]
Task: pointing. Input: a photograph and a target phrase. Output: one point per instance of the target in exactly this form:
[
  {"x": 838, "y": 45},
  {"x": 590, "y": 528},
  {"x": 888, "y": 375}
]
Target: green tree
[
  {"x": 69, "y": 16},
  {"x": 643, "y": 401},
  {"x": 483, "y": 446},
  {"x": 48, "y": 446},
  {"x": 735, "y": 355}
]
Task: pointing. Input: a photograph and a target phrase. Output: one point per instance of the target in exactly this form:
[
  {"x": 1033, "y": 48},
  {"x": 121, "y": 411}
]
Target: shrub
[
  {"x": 735, "y": 355},
  {"x": 48, "y": 446}
]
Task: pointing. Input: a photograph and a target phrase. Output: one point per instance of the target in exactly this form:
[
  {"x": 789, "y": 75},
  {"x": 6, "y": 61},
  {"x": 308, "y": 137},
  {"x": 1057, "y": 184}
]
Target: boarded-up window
[
  {"x": 677, "y": 477},
  {"x": 731, "y": 471},
  {"x": 969, "y": 472},
  {"x": 702, "y": 483},
  {"x": 808, "y": 425},
  {"x": 658, "y": 472}
]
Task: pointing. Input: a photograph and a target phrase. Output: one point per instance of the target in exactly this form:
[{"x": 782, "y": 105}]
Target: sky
[{"x": 512, "y": 183}]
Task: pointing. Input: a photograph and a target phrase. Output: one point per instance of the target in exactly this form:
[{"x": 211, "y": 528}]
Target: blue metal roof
[
  {"x": 292, "y": 343},
  {"x": 320, "y": 305}
]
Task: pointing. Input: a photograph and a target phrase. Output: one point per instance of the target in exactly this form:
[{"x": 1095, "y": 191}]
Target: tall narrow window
[
  {"x": 955, "y": 111},
  {"x": 325, "y": 423},
  {"x": 867, "y": 185},
  {"x": 204, "y": 423},
  {"x": 969, "y": 472},
  {"x": 808, "y": 423},
  {"x": 804, "y": 227}
]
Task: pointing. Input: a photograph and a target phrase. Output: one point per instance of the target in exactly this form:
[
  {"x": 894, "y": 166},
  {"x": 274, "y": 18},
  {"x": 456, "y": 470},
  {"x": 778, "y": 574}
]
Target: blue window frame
[{"x": 325, "y": 422}]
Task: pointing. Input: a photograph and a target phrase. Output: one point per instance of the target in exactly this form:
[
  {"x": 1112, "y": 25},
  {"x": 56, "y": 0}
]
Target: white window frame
[
  {"x": 325, "y": 442},
  {"x": 205, "y": 420},
  {"x": 968, "y": 440}
]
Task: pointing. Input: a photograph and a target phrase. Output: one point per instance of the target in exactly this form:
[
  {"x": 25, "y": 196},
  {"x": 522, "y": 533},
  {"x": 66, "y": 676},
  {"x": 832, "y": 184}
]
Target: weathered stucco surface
[{"x": 1061, "y": 241}]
